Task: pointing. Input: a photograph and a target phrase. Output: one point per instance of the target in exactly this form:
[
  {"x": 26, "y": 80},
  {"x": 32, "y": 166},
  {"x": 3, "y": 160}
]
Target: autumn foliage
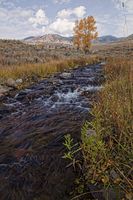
[{"x": 85, "y": 31}]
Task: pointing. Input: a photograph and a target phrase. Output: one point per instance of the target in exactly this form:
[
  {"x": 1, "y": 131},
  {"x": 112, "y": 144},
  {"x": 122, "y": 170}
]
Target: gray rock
[
  {"x": 114, "y": 175},
  {"x": 65, "y": 75},
  {"x": 91, "y": 132},
  {"x": 76, "y": 66},
  {"x": 11, "y": 83},
  {"x": 19, "y": 81}
]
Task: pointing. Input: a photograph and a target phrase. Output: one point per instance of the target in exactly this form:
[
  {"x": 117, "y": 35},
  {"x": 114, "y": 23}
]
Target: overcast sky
[{"x": 22, "y": 18}]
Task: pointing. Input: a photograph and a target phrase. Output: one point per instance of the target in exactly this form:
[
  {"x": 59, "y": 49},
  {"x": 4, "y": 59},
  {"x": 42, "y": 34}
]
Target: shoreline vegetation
[
  {"x": 107, "y": 140},
  {"x": 30, "y": 73}
]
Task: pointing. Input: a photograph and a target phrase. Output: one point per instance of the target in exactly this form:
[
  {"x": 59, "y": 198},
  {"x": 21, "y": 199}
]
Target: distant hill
[
  {"x": 56, "y": 39},
  {"x": 130, "y": 37},
  {"x": 107, "y": 39},
  {"x": 49, "y": 39},
  {"x": 29, "y": 38}
]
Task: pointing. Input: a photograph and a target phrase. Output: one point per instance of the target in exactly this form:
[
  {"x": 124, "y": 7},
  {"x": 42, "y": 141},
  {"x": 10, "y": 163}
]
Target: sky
[{"x": 24, "y": 18}]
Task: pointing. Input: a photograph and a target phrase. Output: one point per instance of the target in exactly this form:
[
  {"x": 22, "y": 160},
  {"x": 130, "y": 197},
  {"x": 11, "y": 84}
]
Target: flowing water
[{"x": 32, "y": 128}]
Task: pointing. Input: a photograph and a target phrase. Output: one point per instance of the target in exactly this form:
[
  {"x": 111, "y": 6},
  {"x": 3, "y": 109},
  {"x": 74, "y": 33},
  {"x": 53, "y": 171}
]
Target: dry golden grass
[
  {"x": 31, "y": 72},
  {"x": 115, "y": 49}
]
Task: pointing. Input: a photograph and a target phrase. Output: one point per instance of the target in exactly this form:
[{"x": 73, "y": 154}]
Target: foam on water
[
  {"x": 91, "y": 88},
  {"x": 12, "y": 104},
  {"x": 70, "y": 98}
]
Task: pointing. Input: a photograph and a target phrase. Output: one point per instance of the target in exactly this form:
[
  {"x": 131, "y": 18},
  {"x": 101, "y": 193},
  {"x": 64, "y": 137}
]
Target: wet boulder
[{"x": 65, "y": 75}]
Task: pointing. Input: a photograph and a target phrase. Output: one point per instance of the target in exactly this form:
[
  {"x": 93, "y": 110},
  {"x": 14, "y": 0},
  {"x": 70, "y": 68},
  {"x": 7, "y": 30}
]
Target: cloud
[
  {"x": 61, "y": 1},
  {"x": 65, "y": 13},
  {"x": 16, "y": 14},
  {"x": 129, "y": 5},
  {"x": 65, "y": 20},
  {"x": 60, "y": 26},
  {"x": 40, "y": 18},
  {"x": 78, "y": 12},
  {"x": 3, "y": 1},
  {"x": 15, "y": 23},
  {"x": 18, "y": 22}
]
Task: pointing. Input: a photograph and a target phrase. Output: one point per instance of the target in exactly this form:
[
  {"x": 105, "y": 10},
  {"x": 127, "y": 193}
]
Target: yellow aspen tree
[{"x": 85, "y": 31}]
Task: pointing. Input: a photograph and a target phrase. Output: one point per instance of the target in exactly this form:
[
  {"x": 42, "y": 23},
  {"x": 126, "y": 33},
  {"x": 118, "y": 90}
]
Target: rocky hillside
[{"x": 49, "y": 39}]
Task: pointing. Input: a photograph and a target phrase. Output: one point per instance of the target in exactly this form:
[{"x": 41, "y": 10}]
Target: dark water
[{"x": 32, "y": 126}]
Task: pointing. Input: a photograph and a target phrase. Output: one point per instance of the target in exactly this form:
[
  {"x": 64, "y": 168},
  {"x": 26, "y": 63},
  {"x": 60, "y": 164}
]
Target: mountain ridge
[{"x": 62, "y": 40}]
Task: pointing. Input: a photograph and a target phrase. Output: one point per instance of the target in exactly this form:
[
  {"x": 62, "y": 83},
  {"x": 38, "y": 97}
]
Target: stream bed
[{"x": 33, "y": 123}]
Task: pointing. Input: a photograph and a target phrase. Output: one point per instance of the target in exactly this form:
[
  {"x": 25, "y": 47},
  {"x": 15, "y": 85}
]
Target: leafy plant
[{"x": 72, "y": 149}]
